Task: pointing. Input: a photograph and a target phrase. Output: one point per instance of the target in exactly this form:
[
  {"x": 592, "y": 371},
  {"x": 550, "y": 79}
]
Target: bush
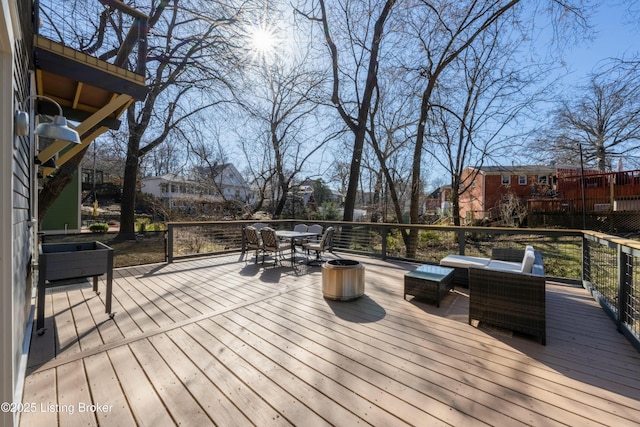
[
  {"x": 99, "y": 227},
  {"x": 428, "y": 237},
  {"x": 329, "y": 211}
]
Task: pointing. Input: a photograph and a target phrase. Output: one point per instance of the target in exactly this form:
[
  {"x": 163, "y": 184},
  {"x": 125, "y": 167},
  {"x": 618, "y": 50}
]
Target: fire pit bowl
[{"x": 342, "y": 279}]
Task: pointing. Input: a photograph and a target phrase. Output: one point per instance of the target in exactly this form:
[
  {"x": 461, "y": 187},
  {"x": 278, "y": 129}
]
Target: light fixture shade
[{"x": 58, "y": 129}]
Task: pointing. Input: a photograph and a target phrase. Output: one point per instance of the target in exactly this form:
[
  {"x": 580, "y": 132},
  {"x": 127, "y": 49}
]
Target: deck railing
[
  {"x": 610, "y": 276},
  {"x": 603, "y": 264}
]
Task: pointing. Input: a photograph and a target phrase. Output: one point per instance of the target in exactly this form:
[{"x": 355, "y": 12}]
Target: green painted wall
[{"x": 65, "y": 210}]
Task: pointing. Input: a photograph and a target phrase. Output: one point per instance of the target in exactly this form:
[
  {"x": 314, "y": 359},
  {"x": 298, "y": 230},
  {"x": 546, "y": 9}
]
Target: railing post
[
  {"x": 625, "y": 275},
  {"x": 586, "y": 261},
  {"x": 244, "y": 239},
  {"x": 384, "y": 242},
  {"x": 164, "y": 241},
  {"x": 170, "y": 244}
]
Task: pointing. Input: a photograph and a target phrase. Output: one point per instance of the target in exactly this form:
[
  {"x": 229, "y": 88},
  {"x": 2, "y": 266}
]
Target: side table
[{"x": 429, "y": 282}]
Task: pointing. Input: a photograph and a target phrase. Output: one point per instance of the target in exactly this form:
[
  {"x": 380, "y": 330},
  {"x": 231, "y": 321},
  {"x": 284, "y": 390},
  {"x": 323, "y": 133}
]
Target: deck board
[
  {"x": 73, "y": 392},
  {"x": 378, "y": 353},
  {"x": 221, "y": 341},
  {"x": 105, "y": 387},
  {"x": 185, "y": 409},
  {"x": 39, "y": 392},
  {"x": 246, "y": 406},
  {"x": 146, "y": 406}
]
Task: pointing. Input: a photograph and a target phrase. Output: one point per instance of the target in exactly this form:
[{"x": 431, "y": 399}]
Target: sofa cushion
[
  {"x": 505, "y": 266},
  {"x": 527, "y": 262},
  {"x": 464, "y": 261}
]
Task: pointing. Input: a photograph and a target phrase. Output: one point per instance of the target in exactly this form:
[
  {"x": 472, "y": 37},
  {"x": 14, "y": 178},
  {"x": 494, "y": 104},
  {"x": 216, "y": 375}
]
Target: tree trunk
[
  {"x": 354, "y": 174},
  {"x": 129, "y": 186},
  {"x": 358, "y": 126}
]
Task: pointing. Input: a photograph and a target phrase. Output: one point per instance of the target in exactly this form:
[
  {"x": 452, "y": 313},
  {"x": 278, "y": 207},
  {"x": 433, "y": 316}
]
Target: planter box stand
[{"x": 60, "y": 261}]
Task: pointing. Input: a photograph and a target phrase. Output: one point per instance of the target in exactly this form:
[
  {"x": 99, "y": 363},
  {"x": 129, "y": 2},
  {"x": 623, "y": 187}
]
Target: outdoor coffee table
[{"x": 429, "y": 282}]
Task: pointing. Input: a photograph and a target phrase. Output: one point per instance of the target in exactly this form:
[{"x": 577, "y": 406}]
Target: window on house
[
  {"x": 542, "y": 179},
  {"x": 506, "y": 179},
  {"x": 522, "y": 179}
]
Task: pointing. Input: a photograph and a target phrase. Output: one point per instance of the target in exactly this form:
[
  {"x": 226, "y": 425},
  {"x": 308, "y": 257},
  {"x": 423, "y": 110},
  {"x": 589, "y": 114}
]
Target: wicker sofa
[
  {"x": 501, "y": 259},
  {"x": 509, "y": 299}
]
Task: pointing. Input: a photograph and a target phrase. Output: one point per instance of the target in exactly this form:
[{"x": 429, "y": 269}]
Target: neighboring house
[
  {"x": 31, "y": 64},
  {"x": 617, "y": 191},
  {"x": 439, "y": 202},
  {"x": 336, "y": 197},
  {"x": 205, "y": 186},
  {"x": 489, "y": 186},
  {"x": 305, "y": 192}
]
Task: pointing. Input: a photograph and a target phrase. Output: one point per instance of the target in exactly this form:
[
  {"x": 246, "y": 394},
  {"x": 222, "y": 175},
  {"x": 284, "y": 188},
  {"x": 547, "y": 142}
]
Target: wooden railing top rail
[{"x": 456, "y": 228}]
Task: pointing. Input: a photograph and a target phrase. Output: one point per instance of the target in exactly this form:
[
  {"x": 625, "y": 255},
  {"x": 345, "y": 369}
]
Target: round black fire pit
[{"x": 342, "y": 279}]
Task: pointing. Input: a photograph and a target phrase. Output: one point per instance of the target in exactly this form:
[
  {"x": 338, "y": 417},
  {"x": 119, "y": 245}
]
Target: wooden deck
[{"x": 216, "y": 341}]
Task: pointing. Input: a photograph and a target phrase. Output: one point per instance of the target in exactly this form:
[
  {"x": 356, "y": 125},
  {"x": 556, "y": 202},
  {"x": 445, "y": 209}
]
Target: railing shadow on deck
[
  {"x": 602, "y": 263},
  {"x": 573, "y": 349}
]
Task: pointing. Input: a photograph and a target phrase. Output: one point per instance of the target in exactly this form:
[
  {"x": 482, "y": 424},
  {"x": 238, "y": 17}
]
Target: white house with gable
[{"x": 217, "y": 183}]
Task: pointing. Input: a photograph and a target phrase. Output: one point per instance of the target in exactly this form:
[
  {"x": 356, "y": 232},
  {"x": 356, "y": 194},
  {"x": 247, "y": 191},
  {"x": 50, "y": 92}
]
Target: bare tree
[
  {"x": 476, "y": 109},
  {"x": 190, "y": 54},
  {"x": 602, "y": 116},
  {"x": 390, "y": 120},
  {"x": 95, "y": 28},
  {"x": 280, "y": 97},
  {"x": 360, "y": 25},
  {"x": 443, "y": 30}
]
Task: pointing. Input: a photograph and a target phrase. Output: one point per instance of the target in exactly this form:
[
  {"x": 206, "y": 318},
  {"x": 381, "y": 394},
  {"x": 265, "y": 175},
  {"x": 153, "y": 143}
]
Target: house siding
[
  {"x": 487, "y": 190},
  {"x": 183, "y": 191},
  {"x": 16, "y": 225}
]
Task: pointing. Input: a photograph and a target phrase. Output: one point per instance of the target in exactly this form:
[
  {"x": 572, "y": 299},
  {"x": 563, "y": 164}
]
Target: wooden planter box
[{"x": 62, "y": 261}]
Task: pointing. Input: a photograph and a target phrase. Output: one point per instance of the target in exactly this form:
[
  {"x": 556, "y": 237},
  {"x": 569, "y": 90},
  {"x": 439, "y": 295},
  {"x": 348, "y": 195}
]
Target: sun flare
[
  {"x": 263, "y": 40},
  {"x": 264, "y": 43}
]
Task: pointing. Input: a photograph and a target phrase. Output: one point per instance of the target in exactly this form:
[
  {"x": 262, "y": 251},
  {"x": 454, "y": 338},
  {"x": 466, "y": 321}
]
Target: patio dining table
[{"x": 293, "y": 236}]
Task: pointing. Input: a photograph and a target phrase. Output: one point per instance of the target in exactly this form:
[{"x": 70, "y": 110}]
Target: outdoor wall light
[{"x": 56, "y": 130}]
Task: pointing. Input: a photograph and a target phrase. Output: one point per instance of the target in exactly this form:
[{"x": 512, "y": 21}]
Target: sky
[{"x": 616, "y": 36}]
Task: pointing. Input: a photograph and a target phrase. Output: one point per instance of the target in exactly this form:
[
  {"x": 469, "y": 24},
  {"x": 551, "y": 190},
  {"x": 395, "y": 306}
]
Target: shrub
[
  {"x": 329, "y": 211},
  {"x": 99, "y": 227},
  {"x": 428, "y": 237}
]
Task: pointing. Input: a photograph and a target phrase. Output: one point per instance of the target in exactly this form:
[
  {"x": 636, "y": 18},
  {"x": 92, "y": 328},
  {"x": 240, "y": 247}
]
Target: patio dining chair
[
  {"x": 300, "y": 228},
  {"x": 314, "y": 228},
  {"x": 324, "y": 244},
  {"x": 271, "y": 244},
  {"x": 254, "y": 242}
]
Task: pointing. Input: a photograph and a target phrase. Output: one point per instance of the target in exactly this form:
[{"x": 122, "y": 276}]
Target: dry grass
[
  {"x": 148, "y": 249},
  {"x": 137, "y": 252}
]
